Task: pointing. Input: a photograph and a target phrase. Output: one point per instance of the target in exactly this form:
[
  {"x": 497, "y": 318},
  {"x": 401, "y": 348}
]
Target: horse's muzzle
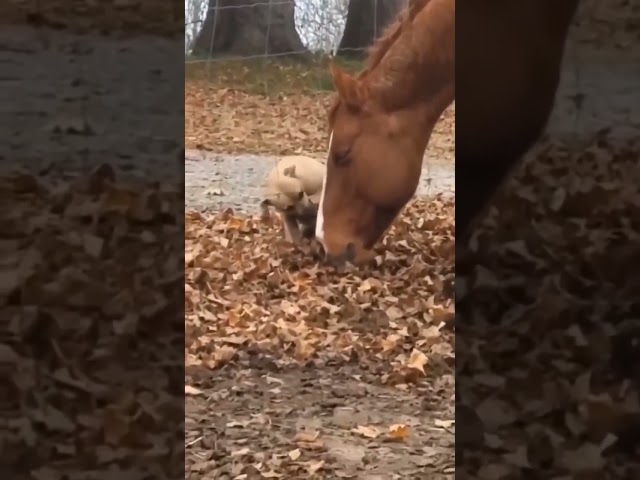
[{"x": 341, "y": 259}]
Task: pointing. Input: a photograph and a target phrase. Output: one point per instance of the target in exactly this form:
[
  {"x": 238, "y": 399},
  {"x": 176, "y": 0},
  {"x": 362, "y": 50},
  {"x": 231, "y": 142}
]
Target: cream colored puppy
[{"x": 293, "y": 188}]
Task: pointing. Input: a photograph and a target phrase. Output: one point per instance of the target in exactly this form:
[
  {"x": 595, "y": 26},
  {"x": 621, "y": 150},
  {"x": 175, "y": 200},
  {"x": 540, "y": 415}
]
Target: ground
[{"x": 335, "y": 426}]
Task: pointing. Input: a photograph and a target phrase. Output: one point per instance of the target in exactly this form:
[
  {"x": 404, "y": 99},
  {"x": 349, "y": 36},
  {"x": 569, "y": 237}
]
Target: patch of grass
[{"x": 264, "y": 76}]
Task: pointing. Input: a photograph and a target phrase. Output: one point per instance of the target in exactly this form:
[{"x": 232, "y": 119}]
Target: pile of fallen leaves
[
  {"x": 231, "y": 120},
  {"x": 91, "y": 346},
  {"x": 249, "y": 292},
  {"x": 274, "y": 335},
  {"x": 552, "y": 340}
]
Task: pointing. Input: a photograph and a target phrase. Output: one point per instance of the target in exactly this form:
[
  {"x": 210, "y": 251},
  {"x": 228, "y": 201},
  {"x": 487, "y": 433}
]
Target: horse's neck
[
  {"x": 419, "y": 67},
  {"x": 427, "y": 114},
  {"x": 426, "y": 87},
  {"x": 434, "y": 31},
  {"x": 557, "y": 15}
]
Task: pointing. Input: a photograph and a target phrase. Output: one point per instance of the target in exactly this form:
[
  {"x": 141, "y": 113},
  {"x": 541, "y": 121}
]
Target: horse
[
  {"x": 506, "y": 89},
  {"x": 293, "y": 189},
  {"x": 380, "y": 123}
]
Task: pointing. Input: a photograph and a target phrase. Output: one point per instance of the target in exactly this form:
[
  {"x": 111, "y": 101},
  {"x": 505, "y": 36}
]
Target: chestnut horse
[{"x": 509, "y": 56}]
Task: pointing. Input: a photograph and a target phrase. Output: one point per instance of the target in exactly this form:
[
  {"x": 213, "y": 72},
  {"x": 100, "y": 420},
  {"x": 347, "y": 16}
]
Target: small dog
[{"x": 293, "y": 188}]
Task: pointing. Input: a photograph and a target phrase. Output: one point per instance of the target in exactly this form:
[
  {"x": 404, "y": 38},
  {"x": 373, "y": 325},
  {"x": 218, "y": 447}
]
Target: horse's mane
[{"x": 380, "y": 48}]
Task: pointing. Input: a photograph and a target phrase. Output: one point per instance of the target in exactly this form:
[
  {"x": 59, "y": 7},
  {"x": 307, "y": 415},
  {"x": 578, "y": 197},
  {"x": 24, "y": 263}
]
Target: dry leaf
[
  {"x": 93, "y": 245},
  {"x": 294, "y": 454},
  {"x": 586, "y": 458},
  {"x": 417, "y": 360},
  {"x": 271, "y": 474},
  {"x": 369, "y": 432},
  {"x": 313, "y": 467},
  {"x": 306, "y": 437},
  {"x": 494, "y": 471},
  {"x": 399, "y": 432},
  {"x": 444, "y": 423},
  {"x": 189, "y": 390},
  {"x": 241, "y": 452},
  {"x": 8, "y": 354}
]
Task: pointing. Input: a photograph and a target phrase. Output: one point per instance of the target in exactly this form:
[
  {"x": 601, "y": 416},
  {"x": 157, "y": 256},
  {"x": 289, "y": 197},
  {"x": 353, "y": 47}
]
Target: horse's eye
[{"x": 342, "y": 158}]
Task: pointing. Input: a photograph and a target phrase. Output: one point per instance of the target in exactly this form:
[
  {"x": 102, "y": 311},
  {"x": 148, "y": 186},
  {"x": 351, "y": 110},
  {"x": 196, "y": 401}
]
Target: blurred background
[{"x": 262, "y": 64}]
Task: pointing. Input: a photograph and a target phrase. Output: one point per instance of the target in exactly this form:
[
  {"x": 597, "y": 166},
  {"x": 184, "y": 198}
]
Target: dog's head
[{"x": 286, "y": 194}]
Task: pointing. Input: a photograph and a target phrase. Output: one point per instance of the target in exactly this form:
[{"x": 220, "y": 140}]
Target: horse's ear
[
  {"x": 351, "y": 89},
  {"x": 290, "y": 171}
]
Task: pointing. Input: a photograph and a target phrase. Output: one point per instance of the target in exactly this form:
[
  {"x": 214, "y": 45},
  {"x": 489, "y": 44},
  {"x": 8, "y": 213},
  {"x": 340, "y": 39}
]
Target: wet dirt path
[
  {"x": 217, "y": 181},
  {"x": 306, "y": 421}
]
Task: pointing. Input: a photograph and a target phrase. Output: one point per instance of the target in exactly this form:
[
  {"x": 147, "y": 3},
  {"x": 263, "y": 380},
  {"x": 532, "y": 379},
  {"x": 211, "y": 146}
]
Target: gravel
[
  {"x": 597, "y": 90},
  {"x": 64, "y": 102},
  {"x": 215, "y": 181}
]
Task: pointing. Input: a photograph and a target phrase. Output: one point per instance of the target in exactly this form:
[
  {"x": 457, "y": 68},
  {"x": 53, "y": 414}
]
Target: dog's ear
[{"x": 290, "y": 171}]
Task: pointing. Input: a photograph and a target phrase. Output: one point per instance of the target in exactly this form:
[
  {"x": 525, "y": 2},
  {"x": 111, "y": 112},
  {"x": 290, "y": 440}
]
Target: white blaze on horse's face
[{"x": 320, "y": 217}]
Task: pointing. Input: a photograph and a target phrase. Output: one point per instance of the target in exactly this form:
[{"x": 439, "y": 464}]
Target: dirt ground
[{"x": 301, "y": 424}]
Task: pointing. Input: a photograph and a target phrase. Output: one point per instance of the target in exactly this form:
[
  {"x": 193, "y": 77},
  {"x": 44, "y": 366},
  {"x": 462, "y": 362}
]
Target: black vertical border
[
  {"x": 92, "y": 235},
  {"x": 547, "y": 326}
]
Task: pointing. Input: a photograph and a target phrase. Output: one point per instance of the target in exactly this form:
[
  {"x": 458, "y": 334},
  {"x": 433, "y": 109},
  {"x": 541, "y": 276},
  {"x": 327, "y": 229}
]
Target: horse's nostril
[
  {"x": 321, "y": 250},
  {"x": 337, "y": 262},
  {"x": 350, "y": 252}
]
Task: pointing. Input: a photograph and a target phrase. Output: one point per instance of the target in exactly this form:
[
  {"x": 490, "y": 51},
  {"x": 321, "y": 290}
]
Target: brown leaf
[
  {"x": 306, "y": 437},
  {"x": 369, "y": 432},
  {"x": 313, "y": 467},
  {"x": 189, "y": 390},
  {"x": 294, "y": 454},
  {"x": 418, "y": 360},
  {"x": 399, "y": 432}
]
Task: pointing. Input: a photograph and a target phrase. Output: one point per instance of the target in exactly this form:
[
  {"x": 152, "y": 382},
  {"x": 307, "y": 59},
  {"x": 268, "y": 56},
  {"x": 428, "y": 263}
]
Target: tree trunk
[
  {"x": 366, "y": 20},
  {"x": 248, "y": 28}
]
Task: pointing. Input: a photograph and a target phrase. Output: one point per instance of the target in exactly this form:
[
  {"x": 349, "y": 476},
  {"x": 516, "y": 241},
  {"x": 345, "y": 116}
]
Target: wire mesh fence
[
  {"x": 228, "y": 38},
  {"x": 263, "y": 35},
  {"x": 225, "y": 30},
  {"x": 283, "y": 28}
]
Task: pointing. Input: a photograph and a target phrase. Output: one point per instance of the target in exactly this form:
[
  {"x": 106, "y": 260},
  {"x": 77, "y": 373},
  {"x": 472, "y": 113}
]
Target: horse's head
[
  {"x": 373, "y": 169},
  {"x": 380, "y": 126}
]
